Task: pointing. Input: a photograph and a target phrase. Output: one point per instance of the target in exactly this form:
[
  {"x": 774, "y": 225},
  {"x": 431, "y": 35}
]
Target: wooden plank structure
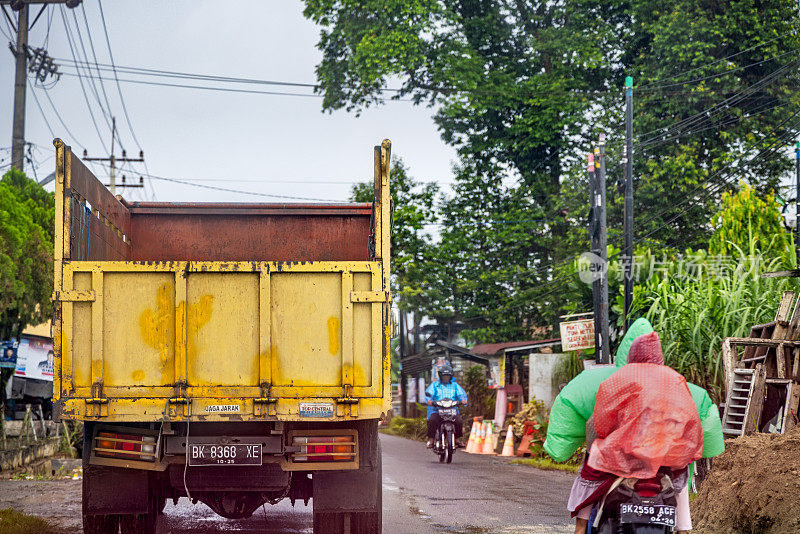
[{"x": 762, "y": 374}]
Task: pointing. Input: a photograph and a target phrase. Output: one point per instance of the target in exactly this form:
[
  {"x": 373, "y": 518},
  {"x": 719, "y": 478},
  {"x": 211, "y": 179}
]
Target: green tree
[
  {"x": 735, "y": 96},
  {"x": 752, "y": 224},
  {"x": 519, "y": 87},
  {"x": 26, "y": 253}
]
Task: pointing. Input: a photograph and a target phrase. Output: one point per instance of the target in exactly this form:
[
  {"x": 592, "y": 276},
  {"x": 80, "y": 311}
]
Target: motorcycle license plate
[
  {"x": 647, "y": 514},
  {"x": 447, "y": 411},
  {"x": 231, "y": 454}
]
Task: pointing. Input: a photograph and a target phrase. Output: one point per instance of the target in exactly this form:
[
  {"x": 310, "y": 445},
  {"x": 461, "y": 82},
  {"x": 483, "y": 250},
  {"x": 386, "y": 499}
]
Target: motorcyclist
[
  {"x": 444, "y": 388},
  {"x": 591, "y": 483}
]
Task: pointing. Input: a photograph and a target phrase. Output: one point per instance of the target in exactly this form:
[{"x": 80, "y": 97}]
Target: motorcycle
[
  {"x": 632, "y": 507},
  {"x": 444, "y": 445}
]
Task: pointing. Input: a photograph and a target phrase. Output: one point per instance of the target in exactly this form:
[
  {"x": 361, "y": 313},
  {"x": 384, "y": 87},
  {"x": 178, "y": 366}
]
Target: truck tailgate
[{"x": 224, "y": 330}]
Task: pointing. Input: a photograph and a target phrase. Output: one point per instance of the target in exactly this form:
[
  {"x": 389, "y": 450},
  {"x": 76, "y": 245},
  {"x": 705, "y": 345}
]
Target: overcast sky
[{"x": 280, "y": 145}]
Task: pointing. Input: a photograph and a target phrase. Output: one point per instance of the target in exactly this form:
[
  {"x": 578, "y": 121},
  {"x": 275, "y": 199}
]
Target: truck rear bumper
[{"x": 209, "y": 446}]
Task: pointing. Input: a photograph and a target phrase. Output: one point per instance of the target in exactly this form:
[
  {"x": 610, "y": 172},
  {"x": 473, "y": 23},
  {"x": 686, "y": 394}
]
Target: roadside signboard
[
  {"x": 577, "y": 335},
  {"x": 35, "y": 359},
  {"x": 8, "y": 354}
]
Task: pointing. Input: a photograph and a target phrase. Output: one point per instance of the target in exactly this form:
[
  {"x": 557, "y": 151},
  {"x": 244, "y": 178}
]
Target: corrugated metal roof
[{"x": 490, "y": 349}]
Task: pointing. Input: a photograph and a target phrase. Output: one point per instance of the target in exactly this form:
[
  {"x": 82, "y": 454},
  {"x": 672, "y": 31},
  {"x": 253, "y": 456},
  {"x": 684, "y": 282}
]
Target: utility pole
[
  {"x": 797, "y": 205},
  {"x": 603, "y": 245},
  {"x": 403, "y": 394},
  {"x": 20, "y": 82},
  {"x": 594, "y": 232},
  {"x": 627, "y": 257},
  {"x": 112, "y": 161},
  {"x": 21, "y": 53}
]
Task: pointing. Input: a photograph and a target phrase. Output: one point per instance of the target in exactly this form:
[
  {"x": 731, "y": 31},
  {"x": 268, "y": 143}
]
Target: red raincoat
[{"x": 645, "y": 417}]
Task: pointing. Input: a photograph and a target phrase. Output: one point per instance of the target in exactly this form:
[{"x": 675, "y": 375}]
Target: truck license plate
[
  {"x": 231, "y": 454},
  {"x": 647, "y": 514}
]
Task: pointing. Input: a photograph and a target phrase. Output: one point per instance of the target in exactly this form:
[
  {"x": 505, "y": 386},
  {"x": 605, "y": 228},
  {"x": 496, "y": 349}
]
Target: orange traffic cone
[
  {"x": 473, "y": 438},
  {"x": 508, "y": 446},
  {"x": 489, "y": 442}
]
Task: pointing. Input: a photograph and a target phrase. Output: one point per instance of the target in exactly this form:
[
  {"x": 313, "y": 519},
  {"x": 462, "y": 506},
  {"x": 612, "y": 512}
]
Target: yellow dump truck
[{"x": 233, "y": 353}]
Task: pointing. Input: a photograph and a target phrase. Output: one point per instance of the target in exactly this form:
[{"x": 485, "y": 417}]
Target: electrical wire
[
  {"x": 710, "y": 76},
  {"x": 710, "y": 191},
  {"x": 728, "y": 102},
  {"x": 61, "y": 120},
  {"x": 239, "y": 191},
  {"x": 105, "y": 112},
  {"x": 80, "y": 79},
  {"x": 726, "y": 58},
  {"x": 39, "y": 105},
  {"x": 116, "y": 79},
  {"x": 94, "y": 55}
]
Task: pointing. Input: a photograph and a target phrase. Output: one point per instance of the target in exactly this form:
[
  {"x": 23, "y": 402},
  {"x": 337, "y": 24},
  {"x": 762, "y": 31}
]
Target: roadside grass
[
  {"x": 405, "y": 427},
  {"x": 15, "y": 522},
  {"x": 547, "y": 464}
]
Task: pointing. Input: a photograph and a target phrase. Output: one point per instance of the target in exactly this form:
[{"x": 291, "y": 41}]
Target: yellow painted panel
[
  {"x": 306, "y": 329},
  {"x": 222, "y": 329},
  {"x": 81, "y": 335},
  {"x": 362, "y": 327},
  {"x": 139, "y": 329}
]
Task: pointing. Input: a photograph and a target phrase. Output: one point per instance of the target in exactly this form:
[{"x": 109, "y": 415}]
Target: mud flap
[
  {"x": 349, "y": 502},
  {"x": 353, "y": 491},
  {"x": 112, "y": 490},
  {"x": 347, "y": 491}
]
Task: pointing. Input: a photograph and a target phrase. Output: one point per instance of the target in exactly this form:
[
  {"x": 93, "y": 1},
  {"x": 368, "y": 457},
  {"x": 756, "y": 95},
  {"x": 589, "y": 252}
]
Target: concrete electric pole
[
  {"x": 112, "y": 163},
  {"x": 627, "y": 255},
  {"x": 21, "y": 54}
]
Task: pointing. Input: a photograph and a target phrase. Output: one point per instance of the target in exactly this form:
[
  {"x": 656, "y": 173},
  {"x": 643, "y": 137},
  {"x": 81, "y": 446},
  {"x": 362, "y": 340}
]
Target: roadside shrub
[
  {"x": 15, "y": 522},
  {"x": 405, "y": 427}
]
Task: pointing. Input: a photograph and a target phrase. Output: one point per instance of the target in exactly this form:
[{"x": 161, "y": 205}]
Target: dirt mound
[{"x": 753, "y": 488}]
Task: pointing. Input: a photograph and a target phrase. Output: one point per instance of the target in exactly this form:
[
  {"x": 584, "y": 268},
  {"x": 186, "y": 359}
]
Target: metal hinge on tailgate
[
  {"x": 265, "y": 404},
  {"x": 179, "y": 402},
  {"x": 347, "y": 400},
  {"x": 97, "y": 404}
]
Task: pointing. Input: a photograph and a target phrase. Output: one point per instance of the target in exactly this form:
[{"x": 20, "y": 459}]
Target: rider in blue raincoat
[{"x": 444, "y": 388}]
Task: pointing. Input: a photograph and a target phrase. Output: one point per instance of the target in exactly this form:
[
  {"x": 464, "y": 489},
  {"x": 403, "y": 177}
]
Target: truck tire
[
  {"x": 138, "y": 523},
  {"x": 357, "y": 522},
  {"x": 100, "y": 524}
]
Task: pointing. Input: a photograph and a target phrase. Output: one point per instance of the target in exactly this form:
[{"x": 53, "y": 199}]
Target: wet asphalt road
[{"x": 473, "y": 495}]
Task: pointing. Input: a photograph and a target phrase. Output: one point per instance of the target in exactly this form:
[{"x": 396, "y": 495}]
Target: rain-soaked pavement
[{"x": 473, "y": 495}]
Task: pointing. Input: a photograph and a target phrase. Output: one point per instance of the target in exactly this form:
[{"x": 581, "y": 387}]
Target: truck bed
[{"x": 214, "y": 311}]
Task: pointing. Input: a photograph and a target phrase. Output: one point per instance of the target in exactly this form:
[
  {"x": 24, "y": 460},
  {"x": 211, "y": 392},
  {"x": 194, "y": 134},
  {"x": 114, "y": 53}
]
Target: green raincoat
[{"x": 566, "y": 431}]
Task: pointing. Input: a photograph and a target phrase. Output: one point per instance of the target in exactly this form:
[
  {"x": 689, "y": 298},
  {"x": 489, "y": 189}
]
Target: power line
[
  {"x": 728, "y": 102},
  {"x": 241, "y": 80},
  {"x": 239, "y": 191},
  {"x": 678, "y": 75},
  {"x": 717, "y": 75},
  {"x": 80, "y": 79},
  {"x": 38, "y": 105},
  {"x": 94, "y": 55},
  {"x": 93, "y": 86},
  {"x": 61, "y": 120},
  {"x": 116, "y": 79}
]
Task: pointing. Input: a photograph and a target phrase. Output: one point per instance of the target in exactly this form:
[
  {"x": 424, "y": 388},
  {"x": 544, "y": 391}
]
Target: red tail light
[
  {"x": 127, "y": 446},
  {"x": 315, "y": 449}
]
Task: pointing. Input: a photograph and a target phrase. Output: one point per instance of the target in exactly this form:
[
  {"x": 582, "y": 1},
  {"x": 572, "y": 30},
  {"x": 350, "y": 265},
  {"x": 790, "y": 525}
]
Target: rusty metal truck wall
[{"x": 250, "y": 232}]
